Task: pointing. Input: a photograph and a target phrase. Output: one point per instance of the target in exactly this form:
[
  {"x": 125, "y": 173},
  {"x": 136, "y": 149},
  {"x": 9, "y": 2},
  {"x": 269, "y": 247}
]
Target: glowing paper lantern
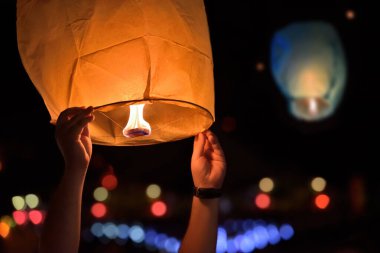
[
  {"x": 308, "y": 65},
  {"x": 116, "y": 53}
]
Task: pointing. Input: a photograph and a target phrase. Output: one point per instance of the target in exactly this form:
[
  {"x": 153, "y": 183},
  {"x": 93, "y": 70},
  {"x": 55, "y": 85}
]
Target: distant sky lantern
[
  {"x": 146, "y": 66},
  {"x": 309, "y": 67}
]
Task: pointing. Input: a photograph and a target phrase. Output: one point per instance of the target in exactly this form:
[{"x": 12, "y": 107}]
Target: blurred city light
[
  {"x": 266, "y": 184},
  {"x": 153, "y": 191}
]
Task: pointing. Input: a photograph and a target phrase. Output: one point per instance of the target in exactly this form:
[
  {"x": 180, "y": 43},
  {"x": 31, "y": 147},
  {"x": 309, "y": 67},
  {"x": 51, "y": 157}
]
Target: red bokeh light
[
  {"x": 158, "y": 208},
  {"x": 20, "y": 217},
  {"x": 109, "y": 182},
  {"x": 35, "y": 217},
  {"x": 98, "y": 210},
  {"x": 322, "y": 201},
  {"x": 262, "y": 201}
]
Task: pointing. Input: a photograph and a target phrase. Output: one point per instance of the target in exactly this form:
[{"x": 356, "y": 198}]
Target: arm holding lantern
[
  {"x": 208, "y": 167},
  {"x": 61, "y": 232}
]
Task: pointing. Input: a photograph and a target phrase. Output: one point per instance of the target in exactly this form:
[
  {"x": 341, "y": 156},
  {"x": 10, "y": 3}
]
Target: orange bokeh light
[
  {"x": 350, "y": 14},
  {"x": 4, "y": 229},
  {"x": 322, "y": 201}
]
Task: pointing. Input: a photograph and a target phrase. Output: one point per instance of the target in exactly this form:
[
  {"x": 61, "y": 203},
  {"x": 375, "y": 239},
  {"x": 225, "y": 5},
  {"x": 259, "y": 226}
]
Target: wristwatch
[{"x": 207, "y": 193}]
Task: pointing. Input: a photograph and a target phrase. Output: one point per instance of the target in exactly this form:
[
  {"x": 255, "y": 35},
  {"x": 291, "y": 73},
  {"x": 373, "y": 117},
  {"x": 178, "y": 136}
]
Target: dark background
[{"x": 258, "y": 135}]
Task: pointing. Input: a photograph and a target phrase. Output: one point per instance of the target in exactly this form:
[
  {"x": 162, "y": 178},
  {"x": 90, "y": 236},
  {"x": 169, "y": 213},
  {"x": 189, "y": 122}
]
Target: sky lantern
[
  {"x": 309, "y": 67},
  {"x": 145, "y": 66}
]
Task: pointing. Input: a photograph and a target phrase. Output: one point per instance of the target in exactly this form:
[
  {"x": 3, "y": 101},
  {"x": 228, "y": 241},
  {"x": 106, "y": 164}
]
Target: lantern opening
[
  {"x": 313, "y": 108},
  {"x": 137, "y": 125}
]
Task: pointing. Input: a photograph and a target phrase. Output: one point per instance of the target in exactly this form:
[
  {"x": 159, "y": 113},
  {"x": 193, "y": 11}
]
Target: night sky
[{"x": 260, "y": 138}]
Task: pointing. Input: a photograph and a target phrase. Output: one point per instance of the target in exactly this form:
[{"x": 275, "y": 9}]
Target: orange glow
[
  {"x": 158, "y": 208},
  {"x": 260, "y": 66},
  {"x": 4, "y": 229},
  {"x": 109, "y": 182},
  {"x": 1, "y": 165},
  {"x": 98, "y": 210},
  {"x": 322, "y": 201},
  {"x": 262, "y": 201},
  {"x": 350, "y": 14},
  {"x": 20, "y": 217},
  {"x": 8, "y": 220},
  {"x": 136, "y": 126},
  {"x": 35, "y": 217}
]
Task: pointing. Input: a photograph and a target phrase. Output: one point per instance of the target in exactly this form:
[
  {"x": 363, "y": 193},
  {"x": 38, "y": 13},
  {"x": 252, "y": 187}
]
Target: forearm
[
  {"x": 201, "y": 234},
  {"x": 61, "y": 232}
]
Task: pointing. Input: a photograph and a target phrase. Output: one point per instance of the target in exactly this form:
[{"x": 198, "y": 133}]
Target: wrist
[
  {"x": 206, "y": 193},
  {"x": 77, "y": 172}
]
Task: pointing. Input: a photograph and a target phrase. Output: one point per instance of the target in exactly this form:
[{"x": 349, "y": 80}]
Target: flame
[
  {"x": 136, "y": 126},
  {"x": 313, "y": 106}
]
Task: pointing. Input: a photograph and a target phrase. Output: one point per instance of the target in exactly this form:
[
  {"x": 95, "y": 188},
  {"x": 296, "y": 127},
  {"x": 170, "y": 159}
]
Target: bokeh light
[
  {"x": 153, "y": 191},
  {"x": 158, "y": 208},
  {"x": 32, "y": 200},
  {"x": 18, "y": 202},
  {"x": 221, "y": 243},
  {"x": 350, "y": 14},
  {"x": 100, "y": 194},
  {"x": 231, "y": 248},
  {"x": 266, "y": 184},
  {"x": 8, "y": 220},
  {"x": 110, "y": 230},
  {"x": 98, "y": 210},
  {"x": 123, "y": 231},
  {"x": 247, "y": 244},
  {"x": 35, "y": 216},
  {"x": 286, "y": 231},
  {"x": 260, "y": 67},
  {"x": 172, "y": 245},
  {"x": 318, "y": 184},
  {"x": 260, "y": 236},
  {"x": 97, "y": 229},
  {"x": 4, "y": 229},
  {"x": 322, "y": 201},
  {"x": 20, "y": 217},
  {"x": 137, "y": 234},
  {"x": 273, "y": 234},
  {"x": 262, "y": 201},
  {"x": 109, "y": 181}
]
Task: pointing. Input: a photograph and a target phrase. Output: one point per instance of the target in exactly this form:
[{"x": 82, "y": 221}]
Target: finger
[
  {"x": 79, "y": 116},
  {"x": 81, "y": 125},
  {"x": 214, "y": 142},
  {"x": 199, "y": 143},
  {"x": 86, "y": 131},
  {"x": 68, "y": 113}
]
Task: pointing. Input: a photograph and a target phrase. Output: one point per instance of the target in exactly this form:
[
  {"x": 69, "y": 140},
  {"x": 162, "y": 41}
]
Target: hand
[
  {"x": 208, "y": 164},
  {"x": 73, "y": 136}
]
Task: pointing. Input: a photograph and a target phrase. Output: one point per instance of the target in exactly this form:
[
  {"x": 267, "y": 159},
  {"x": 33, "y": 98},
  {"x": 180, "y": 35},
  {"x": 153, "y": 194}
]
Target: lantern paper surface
[
  {"x": 308, "y": 65},
  {"x": 115, "y": 53}
]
